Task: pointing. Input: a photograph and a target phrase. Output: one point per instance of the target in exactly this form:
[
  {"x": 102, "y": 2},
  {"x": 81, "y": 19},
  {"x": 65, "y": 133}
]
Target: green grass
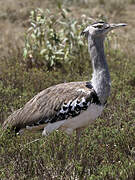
[{"x": 107, "y": 148}]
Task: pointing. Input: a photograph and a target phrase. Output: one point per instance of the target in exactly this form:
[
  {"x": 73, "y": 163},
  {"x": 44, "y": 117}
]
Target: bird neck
[{"x": 101, "y": 76}]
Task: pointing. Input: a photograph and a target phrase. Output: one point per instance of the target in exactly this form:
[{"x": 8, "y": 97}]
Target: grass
[{"x": 107, "y": 148}]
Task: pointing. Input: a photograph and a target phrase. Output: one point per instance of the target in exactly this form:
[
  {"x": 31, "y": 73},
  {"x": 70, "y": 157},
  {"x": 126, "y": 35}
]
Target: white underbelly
[{"x": 85, "y": 118}]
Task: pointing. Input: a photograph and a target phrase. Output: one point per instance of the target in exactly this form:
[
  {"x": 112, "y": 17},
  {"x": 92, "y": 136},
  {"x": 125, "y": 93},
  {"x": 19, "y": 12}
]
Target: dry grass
[{"x": 14, "y": 18}]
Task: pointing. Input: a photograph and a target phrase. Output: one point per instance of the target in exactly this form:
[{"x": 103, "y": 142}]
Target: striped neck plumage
[{"x": 101, "y": 76}]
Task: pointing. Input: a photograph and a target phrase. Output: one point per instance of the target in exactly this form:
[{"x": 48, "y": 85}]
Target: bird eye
[{"x": 99, "y": 26}]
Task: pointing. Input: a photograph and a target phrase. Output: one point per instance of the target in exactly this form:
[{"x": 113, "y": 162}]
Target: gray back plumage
[{"x": 55, "y": 103}]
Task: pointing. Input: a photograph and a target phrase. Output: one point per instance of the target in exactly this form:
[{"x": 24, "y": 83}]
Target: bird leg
[{"x": 77, "y": 140}]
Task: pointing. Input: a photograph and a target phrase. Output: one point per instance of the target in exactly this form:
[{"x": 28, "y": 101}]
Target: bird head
[{"x": 100, "y": 29}]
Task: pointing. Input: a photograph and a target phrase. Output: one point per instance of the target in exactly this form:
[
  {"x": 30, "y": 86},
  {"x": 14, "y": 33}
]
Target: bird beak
[{"x": 114, "y": 26}]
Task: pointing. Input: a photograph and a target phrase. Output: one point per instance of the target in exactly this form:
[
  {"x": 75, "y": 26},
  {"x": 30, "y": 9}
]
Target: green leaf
[
  {"x": 25, "y": 52},
  {"x": 43, "y": 51},
  {"x": 33, "y": 36}
]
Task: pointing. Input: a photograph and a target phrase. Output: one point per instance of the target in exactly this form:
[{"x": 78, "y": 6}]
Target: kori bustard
[{"x": 74, "y": 105}]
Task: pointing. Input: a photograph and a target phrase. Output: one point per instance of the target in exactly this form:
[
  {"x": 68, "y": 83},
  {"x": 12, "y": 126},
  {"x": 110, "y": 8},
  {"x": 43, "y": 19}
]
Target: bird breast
[{"x": 84, "y": 119}]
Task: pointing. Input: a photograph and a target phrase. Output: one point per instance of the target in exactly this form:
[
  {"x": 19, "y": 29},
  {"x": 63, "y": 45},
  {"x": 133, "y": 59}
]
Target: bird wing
[{"x": 53, "y": 104}]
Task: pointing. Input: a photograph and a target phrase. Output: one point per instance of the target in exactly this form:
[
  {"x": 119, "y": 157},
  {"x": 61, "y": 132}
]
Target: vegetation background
[{"x": 42, "y": 47}]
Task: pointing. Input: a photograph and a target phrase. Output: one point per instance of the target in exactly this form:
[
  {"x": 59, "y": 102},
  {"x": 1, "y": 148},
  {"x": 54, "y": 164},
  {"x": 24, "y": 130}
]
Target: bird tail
[
  {"x": 16, "y": 122},
  {"x": 10, "y": 122}
]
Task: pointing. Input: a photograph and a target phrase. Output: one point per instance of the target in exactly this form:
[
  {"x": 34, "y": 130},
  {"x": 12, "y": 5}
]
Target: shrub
[{"x": 53, "y": 40}]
